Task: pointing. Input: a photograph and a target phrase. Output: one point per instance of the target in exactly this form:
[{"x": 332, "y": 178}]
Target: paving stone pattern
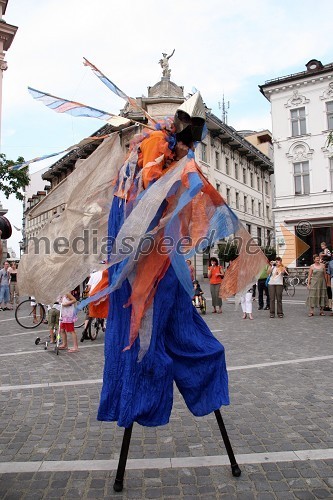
[{"x": 273, "y": 409}]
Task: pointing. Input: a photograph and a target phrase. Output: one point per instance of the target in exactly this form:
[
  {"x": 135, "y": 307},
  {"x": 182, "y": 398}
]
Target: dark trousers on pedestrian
[
  {"x": 262, "y": 288},
  {"x": 275, "y": 292}
]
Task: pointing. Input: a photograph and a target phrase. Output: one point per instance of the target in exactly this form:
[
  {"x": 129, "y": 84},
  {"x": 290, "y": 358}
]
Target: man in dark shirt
[{"x": 329, "y": 270}]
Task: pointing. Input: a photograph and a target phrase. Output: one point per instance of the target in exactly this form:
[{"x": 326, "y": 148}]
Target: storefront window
[{"x": 313, "y": 240}]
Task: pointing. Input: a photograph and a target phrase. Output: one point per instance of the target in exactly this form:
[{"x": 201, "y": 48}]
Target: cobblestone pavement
[{"x": 279, "y": 421}]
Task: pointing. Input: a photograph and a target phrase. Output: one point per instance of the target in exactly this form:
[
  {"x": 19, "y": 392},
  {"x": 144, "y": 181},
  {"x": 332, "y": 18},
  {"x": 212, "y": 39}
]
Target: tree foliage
[
  {"x": 13, "y": 181},
  {"x": 227, "y": 251},
  {"x": 270, "y": 252}
]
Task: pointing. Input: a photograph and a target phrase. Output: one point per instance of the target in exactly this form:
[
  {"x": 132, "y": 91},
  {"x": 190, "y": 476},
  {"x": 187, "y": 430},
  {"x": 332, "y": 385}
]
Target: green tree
[
  {"x": 227, "y": 251},
  {"x": 13, "y": 181},
  {"x": 270, "y": 252}
]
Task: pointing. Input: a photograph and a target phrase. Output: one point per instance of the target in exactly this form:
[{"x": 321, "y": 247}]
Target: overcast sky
[{"x": 221, "y": 47}]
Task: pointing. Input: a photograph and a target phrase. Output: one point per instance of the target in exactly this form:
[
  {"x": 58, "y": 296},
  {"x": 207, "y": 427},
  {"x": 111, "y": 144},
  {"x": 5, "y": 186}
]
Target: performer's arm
[
  {"x": 310, "y": 275},
  {"x": 155, "y": 153}
]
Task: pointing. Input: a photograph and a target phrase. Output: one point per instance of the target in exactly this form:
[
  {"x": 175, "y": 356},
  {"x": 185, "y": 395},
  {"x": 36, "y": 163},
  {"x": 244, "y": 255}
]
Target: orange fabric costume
[
  {"x": 154, "y": 155},
  {"x": 100, "y": 308}
]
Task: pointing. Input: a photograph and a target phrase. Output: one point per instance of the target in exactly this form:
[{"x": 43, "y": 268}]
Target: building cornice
[
  {"x": 235, "y": 141},
  {"x": 310, "y": 219},
  {"x": 162, "y": 100},
  {"x": 7, "y": 34},
  {"x": 296, "y": 80},
  {"x": 306, "y": 206},
  {"x": 3, "y": 5}
]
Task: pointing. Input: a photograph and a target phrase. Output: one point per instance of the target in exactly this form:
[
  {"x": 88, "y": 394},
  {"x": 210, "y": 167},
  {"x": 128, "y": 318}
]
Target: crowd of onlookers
[{"x": 270, "y": 285}]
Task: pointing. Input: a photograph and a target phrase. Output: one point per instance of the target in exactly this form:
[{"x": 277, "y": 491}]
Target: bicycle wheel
[
  {"x": 95, "y": 326},
  {"x": 294, "y": 281},
  {"x": 290, "y": 289},
  {"x": 29, "y": 316}
]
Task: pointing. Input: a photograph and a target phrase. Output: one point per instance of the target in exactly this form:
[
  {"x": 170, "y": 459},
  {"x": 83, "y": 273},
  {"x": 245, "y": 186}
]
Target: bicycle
[
  {"x": 288, "y": 287},
  {"x": 92, "y": 329},
  {"x": 296, "y": 280},
  {"x": 26, "y": 315}
]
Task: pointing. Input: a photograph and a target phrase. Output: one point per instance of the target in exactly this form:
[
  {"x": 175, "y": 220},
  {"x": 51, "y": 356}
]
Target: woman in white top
[{"x": 275, "y": 287}]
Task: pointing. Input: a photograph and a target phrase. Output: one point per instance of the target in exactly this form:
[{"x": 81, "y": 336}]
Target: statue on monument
[{"x": 164, "y": 62}]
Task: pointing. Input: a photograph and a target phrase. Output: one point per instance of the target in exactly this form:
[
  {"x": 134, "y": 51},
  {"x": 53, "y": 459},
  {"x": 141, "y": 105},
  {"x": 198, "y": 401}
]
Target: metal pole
[
  {"x": 234, "y": 466},
  {"x": 119, "y": 481}
]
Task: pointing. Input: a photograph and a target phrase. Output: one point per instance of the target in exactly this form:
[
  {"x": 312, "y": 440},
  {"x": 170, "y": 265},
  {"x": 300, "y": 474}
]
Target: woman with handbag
[
  {"x": 317, "y": 287},
  {"x": 275, "y": 286},
  {"x": 215, "y": 275}
]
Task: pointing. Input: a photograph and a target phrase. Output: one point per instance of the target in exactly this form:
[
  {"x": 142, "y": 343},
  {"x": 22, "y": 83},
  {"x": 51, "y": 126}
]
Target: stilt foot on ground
[
  {"x": 118, "y": 485},
  {"x": 235, "y": 470}
]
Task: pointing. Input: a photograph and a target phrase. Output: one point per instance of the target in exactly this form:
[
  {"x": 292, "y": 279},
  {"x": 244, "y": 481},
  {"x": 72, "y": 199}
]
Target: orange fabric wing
[{"x": 100, "y": 308}]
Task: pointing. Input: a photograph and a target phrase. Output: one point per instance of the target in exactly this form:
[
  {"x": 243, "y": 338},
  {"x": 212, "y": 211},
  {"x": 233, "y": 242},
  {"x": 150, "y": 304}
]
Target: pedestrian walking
[
  {"x": 4, "y": 288},
  {"x": 53, "y": 316},
  {"x": 246, "y": 301},
  {"x": 67, "y": 320},
  {"x": 275, "y": 286},
  {"x": 191, "y": 269},
  {"x": 263, "y": 288},
  {"x": 317, "y": 287},
  {"x": 329, "y": 272},
  {"x": 13, "y": 287},
  {"x": 215, "y": 275},
  {"x": 1, "y": 250}
]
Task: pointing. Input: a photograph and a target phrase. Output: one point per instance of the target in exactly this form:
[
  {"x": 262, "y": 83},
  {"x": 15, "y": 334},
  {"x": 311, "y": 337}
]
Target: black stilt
[
  {"x": 119, "y": 481},
  {"x": 234, "y": 466}
]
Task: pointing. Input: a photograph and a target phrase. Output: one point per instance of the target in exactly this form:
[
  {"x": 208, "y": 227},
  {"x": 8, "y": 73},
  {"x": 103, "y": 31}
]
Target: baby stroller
[{"x": 198, "y": 299}]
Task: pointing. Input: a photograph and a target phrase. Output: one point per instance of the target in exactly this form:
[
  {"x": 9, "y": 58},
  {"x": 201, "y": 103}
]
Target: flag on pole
[
  {"x": 76, "y": 108},
  {"x": 115, "y": 89}
]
